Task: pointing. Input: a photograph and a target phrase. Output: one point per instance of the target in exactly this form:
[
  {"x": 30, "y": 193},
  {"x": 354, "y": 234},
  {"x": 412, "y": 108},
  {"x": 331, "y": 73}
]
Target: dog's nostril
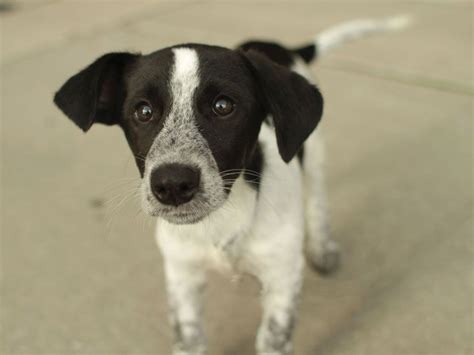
[
  {"x": 174, "y": 184},
  {"x": 160, "y": 189},
  {"x": 184, "y": 187}
]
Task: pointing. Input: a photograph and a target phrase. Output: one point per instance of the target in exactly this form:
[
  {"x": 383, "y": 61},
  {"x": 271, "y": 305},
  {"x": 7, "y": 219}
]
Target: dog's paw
[{"x": 326, "y": 258}]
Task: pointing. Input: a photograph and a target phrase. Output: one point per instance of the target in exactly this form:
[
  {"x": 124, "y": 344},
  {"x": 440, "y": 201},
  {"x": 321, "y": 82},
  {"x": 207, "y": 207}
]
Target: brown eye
[
  {"x": 223, "y": 106},
  {"x": 144, "y": 112}
]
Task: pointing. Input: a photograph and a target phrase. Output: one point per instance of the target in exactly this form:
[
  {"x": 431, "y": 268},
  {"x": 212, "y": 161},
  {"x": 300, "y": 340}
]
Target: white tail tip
[{"x": 348, "y": 31}]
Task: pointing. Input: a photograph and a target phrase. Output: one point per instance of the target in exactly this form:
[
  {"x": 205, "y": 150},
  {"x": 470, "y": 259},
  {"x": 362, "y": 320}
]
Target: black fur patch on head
[
  {"x": 147, "y": 83},
  {"x": 233, "y": 139}
]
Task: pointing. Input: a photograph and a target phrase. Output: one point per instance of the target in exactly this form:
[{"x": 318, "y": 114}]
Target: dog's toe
[{"x": 327, "y": 259}]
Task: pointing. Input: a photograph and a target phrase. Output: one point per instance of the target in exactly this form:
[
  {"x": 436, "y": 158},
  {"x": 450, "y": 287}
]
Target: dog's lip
[
  {"x": 184, "y": 217},
  {"x": 182, "y": 214},
  {"x": 176, "y": 211},
  {"x": 188, "y": 213}
]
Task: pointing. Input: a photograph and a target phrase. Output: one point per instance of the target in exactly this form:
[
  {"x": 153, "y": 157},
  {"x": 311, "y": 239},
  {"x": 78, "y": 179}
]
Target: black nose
[{"x": 174, "y": 184}]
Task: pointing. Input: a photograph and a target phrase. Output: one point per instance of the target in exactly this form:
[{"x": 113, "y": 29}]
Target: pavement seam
[{"x": 411, "y": 79}]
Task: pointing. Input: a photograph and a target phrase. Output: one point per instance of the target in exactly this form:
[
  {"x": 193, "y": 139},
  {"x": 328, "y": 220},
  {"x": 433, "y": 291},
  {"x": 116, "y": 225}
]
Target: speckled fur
[{"x": 180, "y": 142}]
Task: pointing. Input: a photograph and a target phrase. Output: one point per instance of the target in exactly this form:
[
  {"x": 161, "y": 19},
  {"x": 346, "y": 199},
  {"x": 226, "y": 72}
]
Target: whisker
[{"x": 139, "y": 157}]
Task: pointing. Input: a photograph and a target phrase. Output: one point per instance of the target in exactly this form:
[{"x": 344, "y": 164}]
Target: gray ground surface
[{"x": 80, "y": 276}]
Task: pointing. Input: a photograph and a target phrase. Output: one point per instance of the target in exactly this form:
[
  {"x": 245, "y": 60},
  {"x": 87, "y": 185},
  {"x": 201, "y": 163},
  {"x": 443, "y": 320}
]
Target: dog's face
[{"x": 191, "y": 115}]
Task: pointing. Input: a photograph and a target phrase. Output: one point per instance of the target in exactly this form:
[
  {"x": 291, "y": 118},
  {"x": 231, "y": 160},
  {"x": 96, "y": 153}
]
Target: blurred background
[{"x": 80, "y": 271}]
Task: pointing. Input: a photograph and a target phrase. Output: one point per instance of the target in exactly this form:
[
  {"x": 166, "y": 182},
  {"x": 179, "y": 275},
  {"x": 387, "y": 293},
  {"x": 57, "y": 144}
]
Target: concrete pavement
[{"x": 80, "y": 272}]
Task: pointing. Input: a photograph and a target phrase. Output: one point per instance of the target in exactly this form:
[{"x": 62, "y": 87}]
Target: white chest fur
[
  {"x": 216, "y": 239},
  {"x": 250, "y": 225}
]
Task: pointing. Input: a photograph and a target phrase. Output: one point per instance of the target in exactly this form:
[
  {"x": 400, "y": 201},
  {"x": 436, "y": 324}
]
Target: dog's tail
[{"x": 335, "y": 36}]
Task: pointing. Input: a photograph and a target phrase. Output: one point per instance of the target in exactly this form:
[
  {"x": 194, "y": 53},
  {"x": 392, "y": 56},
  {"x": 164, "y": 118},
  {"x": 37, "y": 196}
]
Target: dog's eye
[
  {"x": 144, "y": 112},
  {"x": 223, "y": 106}
]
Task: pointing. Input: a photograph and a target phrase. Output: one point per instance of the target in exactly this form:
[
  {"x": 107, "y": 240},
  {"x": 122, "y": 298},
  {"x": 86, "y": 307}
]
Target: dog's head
[{"x": 192, "y": 115}]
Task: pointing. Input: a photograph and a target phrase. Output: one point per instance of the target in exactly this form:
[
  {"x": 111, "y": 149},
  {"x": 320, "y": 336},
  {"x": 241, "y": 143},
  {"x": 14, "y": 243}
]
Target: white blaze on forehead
[
  {"x": 184, "y": 78},
  {"x": 180, "y": 140},
  {"x": 179, "y": 132}
]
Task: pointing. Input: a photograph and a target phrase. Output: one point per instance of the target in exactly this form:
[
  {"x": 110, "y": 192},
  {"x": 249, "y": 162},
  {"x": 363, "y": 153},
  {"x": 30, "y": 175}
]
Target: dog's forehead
[
  {"x": 210, "y": 62},
  {"x": 184, "y": 74}
]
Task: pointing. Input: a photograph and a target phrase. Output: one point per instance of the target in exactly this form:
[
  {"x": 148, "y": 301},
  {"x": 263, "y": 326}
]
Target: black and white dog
[{"x": 230, "y": 161}]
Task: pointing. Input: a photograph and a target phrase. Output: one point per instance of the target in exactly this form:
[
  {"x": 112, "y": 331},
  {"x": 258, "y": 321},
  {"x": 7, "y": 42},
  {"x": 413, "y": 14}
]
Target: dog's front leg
[
  {"x": 281, "y": 289},
  {"x": 185, "y": 285}
]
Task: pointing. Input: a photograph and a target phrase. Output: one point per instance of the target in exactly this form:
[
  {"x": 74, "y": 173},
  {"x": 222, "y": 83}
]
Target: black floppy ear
[
  {"x": 295, "y": 104},
  {"x": 95, "y": 93}
]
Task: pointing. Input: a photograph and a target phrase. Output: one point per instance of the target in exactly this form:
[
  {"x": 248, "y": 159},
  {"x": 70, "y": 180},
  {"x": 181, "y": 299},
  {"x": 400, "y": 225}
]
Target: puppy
[{"x": 231, "y": 165}]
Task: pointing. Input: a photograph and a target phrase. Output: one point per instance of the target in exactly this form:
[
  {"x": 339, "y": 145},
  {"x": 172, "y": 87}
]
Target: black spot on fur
[
  {"x": 188, "y": 343},
  {"x": 253, "y": 170},
  {"x": 307, "y": 53},
  {"x": 279, "y": 334},
  {"x": 273, "y": 51},
  {"x": 300, "y": 155},
  {"x": 295, "y": 105}
]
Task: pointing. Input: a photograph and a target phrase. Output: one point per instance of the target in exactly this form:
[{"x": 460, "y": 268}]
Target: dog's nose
[{"x": 174, "y": 184}]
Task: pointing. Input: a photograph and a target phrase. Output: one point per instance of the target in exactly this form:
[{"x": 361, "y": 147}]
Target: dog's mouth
[
  {"x": 189, "y": 213},
  {"x": 184, "y": 217}
]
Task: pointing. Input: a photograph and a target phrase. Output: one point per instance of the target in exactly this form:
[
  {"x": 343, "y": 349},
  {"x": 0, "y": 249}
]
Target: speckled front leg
[
  {"x": 185, "y": 285},
  {"x": 279, "y": 300}
]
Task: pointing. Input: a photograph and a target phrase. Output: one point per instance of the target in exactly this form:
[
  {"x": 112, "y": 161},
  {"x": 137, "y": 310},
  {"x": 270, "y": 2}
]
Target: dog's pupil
[
  {"x": 223, "y": 106},
  {"x": 144, "y": 113}
]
